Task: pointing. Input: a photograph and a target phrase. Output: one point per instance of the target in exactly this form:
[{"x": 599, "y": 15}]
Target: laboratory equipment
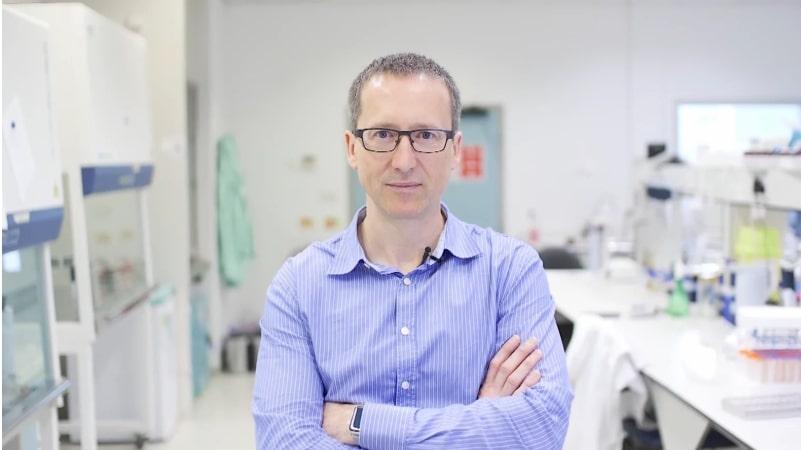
[
  {"x": 774, "y": 406},
  {"x": 769, "y": 343},
  {"x": 113, "y": 318},
  {"x": 32, "y": 216},
  {"x": 791, "y": 261}
]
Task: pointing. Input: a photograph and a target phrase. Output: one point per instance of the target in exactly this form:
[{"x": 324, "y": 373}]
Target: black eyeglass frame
[{"x": 359, "y": 133}]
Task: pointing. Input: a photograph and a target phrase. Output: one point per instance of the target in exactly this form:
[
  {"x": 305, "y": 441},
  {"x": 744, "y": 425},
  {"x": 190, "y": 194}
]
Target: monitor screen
[{"x": 722, "y": 132}]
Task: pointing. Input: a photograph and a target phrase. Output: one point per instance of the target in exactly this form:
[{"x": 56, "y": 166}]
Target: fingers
[
  {"x": 514, "y": 360},
  {"x": 515, "y": 380},
  {"x": 511, "y": 370},
  {"x": 533, "y": 378},
  {"x": 506, "y": 349}
]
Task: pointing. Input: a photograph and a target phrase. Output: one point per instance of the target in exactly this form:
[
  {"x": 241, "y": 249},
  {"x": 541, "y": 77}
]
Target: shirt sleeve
[
  {"x": 537, "y": 418},
  {"x": 288, "y": 393}
]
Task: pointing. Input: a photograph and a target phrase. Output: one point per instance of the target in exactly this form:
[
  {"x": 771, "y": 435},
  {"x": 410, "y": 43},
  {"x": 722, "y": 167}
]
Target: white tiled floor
[{"x": 220, "y": 418}]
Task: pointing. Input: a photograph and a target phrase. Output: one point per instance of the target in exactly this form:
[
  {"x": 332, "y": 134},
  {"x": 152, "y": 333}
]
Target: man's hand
[
  {"x": 336, "y": 422},
  {"x": 510, "y": 371}
]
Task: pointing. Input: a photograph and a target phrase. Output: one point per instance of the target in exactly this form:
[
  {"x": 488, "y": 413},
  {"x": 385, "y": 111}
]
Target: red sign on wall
[{"x": 472, "y": 166}]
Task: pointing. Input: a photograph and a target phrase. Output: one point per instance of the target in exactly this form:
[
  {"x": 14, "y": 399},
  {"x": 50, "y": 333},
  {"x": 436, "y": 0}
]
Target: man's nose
[{"x": 404, "y": 157}]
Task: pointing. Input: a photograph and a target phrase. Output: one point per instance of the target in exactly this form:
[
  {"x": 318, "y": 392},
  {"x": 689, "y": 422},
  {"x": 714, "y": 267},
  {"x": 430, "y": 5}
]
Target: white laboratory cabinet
[
  {"x": 32, "y": 217},
  {"x": 100, "y": 85},
  {"x": 111, "y": 314}
]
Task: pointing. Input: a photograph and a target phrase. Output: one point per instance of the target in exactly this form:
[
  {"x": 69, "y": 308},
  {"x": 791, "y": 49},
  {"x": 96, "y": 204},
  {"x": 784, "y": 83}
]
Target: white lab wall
[
  {"x": 289, "y": 68},
  {"x": 716, "y": 51},
  {"x": 583, "y": 87},
  {"x": 203, "y": 70}
]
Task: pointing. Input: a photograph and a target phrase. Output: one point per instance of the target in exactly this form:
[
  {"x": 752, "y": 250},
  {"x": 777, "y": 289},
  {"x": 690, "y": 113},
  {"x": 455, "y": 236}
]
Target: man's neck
[{"x": 399, "y": 243}]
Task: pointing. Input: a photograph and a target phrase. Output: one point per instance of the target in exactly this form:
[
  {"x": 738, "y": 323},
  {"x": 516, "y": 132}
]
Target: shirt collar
[{"x": 456, "y": 238}]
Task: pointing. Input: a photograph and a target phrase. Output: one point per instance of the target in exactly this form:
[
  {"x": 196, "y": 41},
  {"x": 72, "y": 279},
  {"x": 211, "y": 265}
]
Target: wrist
[
  {"x": 385, "y": 426},
  {"x": 355, "y": 423}
]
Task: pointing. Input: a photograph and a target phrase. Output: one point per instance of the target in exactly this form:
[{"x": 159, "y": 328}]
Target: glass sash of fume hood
[
  {"x": 116, "y": 238},
  {"x": 28, "y": 374},
  {"x": 62, "y": 263},
  {"x": 116, "y": 252}
]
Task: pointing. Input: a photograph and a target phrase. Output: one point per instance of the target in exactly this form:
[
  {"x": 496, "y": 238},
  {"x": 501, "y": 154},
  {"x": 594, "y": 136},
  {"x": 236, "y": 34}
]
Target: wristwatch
[{"x": 356, "y": 422}]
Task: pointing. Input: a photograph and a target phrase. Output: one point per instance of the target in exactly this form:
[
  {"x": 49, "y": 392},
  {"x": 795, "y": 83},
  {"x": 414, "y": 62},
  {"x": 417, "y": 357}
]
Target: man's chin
[{"x": 406, "y": 211}]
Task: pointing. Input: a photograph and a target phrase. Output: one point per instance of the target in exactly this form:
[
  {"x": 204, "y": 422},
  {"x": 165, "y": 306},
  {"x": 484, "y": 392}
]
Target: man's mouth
[{"x": 404, "y": 185}]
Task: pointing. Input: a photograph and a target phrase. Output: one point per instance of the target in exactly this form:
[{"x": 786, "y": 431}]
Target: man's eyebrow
[
  {"x": 383, "y": 125},
  {"x": 423, "y": 126}
]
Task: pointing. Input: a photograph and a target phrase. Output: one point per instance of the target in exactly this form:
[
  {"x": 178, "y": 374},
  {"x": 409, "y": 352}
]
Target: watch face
[{"x": 356, "y": 421}]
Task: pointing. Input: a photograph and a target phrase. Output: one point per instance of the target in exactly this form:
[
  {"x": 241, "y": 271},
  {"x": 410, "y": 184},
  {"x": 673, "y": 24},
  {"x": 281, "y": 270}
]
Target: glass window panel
[
  {"x": 27, "y": 368},
  {"x": 63, "y": 267},
  {"x": 116, "y": 250},
  {"x": 722, "y": 132}
]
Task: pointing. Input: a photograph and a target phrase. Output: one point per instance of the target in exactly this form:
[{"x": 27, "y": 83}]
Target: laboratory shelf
[
  {"x": 788, "y": 162},
  {"x": 735, "y": 184}
]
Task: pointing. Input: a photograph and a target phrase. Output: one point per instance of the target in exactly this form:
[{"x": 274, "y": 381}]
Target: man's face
[{"x": 404, "y": 184}]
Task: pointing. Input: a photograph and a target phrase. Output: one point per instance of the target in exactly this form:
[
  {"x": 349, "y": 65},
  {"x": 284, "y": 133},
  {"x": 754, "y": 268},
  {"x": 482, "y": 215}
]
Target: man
[{"x": 365, "y": 344}]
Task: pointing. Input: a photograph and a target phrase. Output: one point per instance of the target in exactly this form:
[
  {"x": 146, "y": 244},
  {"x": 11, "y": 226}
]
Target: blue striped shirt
[{"x": 414, "y": 348}]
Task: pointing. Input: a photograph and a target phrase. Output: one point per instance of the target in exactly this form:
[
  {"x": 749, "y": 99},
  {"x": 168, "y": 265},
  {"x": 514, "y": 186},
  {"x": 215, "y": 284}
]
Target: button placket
[{"x": 406, "y": 343}]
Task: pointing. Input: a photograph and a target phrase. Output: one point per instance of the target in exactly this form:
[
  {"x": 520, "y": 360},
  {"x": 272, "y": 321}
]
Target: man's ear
[
  {"x": 350, "y": 149},
  {"x": 457, "y": 150}
]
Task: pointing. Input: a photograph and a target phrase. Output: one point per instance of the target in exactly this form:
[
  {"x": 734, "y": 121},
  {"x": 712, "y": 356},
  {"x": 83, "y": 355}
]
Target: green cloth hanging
[{"x": 234, "y": 229}]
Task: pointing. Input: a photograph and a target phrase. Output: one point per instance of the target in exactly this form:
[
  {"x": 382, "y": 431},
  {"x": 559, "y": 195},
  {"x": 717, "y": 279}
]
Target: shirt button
[
  {"x": 407, "y": 281},
  {"x": 405, "y": 385},
  {"x": 405, "y": 331}
]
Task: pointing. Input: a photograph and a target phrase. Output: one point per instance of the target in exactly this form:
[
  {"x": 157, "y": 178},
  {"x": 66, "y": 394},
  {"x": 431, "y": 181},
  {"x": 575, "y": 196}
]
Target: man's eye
[
  {"x": 382, "y": 135},
  {"x": 428, "y": 135}
]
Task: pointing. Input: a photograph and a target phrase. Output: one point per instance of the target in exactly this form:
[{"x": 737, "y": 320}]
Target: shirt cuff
[{"x": 384, "y": 426}]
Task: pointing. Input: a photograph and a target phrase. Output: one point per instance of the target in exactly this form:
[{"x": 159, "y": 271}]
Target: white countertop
[{"x": 688, "y": 356}]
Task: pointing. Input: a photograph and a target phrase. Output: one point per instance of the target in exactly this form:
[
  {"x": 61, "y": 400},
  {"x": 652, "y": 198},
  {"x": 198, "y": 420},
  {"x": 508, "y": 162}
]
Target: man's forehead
[
  {"x": 394, "y": 97},
  {"x": 381, "y": 80}
]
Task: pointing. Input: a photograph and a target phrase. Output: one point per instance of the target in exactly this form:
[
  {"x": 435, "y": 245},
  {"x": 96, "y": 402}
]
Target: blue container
[{"x": 201, "y": 342}]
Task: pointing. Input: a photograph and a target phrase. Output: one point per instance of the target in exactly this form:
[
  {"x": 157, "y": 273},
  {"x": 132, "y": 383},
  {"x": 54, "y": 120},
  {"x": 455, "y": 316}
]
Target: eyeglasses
[{"x": 383, "y": 140}]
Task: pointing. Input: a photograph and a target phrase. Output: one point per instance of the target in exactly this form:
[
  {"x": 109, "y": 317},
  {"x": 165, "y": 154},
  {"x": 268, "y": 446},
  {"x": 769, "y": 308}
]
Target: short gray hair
[{"x": 403, "y": 64}]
